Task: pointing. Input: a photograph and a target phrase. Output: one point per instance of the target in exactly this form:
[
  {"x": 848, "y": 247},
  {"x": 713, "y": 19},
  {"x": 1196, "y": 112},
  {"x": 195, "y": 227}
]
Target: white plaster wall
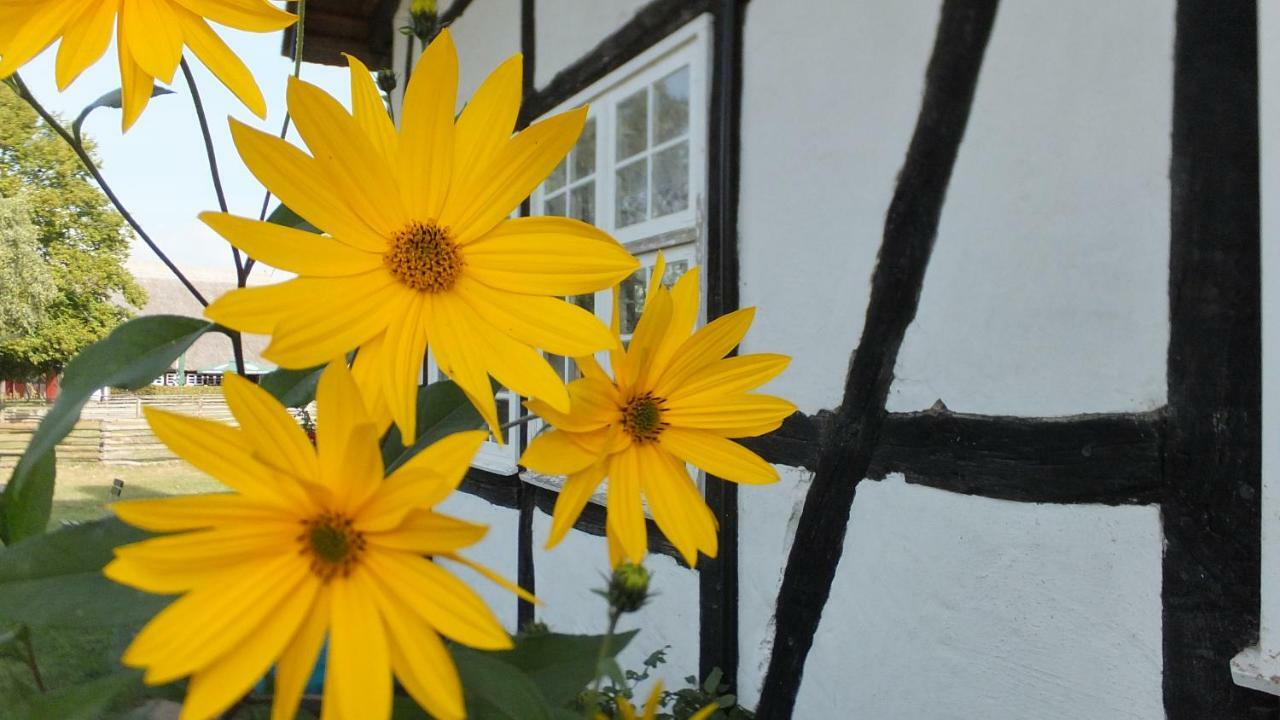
[
  {"x": 954, "y": 607},
  {"x": 1048, "y": 289},
  {"x": 566, "y": 575},
  {"x": 568, "y": 29},
  {"x": 487, "y": 34},
  {"x": 827, "y": 112},
  {"x": 497, "y": 551}
]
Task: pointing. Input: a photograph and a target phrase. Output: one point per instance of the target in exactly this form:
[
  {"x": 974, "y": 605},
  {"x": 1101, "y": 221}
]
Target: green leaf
[
  {"x": 293, "y": 388},
  {"x": 442, "y": 409},
  {"x": 496, "y": 690},
  {"x": 113, "y": 99},
  {"x": 56, "y": 579},
  {"x": 130, "y": 357},
  {"x": 562, "y": 665},
  {"x": 282, "y": 215},
  {"x": 82, "y": 702}
]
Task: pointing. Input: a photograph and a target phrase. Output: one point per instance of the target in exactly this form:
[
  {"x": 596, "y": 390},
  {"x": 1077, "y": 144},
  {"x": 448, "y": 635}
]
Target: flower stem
[
  {"x": 25, "y": 634},
  {"x": 518, "y": 421},
  {"x": 605, "y": 646},
  {"x": 25, "y": 93}
]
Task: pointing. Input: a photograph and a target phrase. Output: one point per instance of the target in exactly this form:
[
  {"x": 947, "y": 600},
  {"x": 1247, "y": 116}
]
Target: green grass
[{"x": 69, "y": 657}]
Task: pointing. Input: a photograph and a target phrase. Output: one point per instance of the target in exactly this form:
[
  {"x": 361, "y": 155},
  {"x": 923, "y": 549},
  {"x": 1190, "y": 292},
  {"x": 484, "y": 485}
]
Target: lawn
[{"x": 70, "y": 657}]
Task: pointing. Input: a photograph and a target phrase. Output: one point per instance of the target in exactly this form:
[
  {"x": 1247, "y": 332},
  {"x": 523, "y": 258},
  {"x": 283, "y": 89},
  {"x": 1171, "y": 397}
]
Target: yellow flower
[
  {"x": 150, "y": 36},
  {"x": 420, "y": 248},
  {"x": 627, "y": 712},
  {"x": 312, "y": 543},
  {"x": 673, "y": 398}
]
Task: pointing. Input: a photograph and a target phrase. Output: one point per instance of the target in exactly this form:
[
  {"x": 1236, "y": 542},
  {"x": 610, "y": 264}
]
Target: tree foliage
[
  {"x": 81, "y": 240},
  {"x": 26, "y": 285}
]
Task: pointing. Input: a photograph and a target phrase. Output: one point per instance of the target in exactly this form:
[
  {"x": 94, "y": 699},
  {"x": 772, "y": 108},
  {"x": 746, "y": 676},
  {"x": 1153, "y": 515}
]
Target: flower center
[
  {"x": 642, "y": 417},
  {"x": 424, "y": 257},
  {"x": 333, "y": 544}
]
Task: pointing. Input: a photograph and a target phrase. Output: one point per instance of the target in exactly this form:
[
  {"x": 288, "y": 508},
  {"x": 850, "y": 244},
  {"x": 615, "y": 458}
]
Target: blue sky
[{"x": 159, "y": 167}]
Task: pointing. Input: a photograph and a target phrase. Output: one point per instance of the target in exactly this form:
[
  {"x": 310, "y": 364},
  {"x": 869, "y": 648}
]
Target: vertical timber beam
[
  {"x": 525, "y": 495},
  {"x": 910, "y": 230},
  {"x": 1212, "y": 457},
  {"x": 718, "y": 576}
]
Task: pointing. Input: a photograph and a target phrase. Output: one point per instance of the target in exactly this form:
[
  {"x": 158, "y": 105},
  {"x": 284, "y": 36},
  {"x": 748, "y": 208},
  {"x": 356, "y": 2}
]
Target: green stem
[
  {"x": 605, "y": 646},
  {"x": 25, "y": 634},
  {"x": 25, "y": 93}
]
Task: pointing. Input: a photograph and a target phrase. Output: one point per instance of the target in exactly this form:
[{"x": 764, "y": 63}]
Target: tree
[
  {"x": 26, "y": 285},
  {"x": 81, "y": 239}
]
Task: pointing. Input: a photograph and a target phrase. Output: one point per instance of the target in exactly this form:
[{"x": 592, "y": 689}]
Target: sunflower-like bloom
[
  {"x": 421, "y": 249},
  {"x": 627, "y": 712},
  {"x": 313, "y": 544},
  {"x": 150, "y": 36},
  {"x": 674, "y": 398}
]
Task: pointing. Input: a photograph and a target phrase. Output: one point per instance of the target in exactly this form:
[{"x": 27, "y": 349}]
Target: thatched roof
[
  {"x": 167, "y": 296},
  {"x": 360, "y": 27}
]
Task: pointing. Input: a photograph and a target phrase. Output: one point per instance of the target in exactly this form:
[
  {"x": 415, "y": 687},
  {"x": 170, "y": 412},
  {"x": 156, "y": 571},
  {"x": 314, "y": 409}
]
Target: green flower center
[
  {"x": 333, "y": 544},
  {"x": 642, "y": 417},
  {"x": 424, "y": 257}
]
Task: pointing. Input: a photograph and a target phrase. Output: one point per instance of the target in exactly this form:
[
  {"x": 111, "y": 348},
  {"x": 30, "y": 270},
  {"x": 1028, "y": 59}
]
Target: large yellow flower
[
  {"x": 150, "y": 36},
  {"x": 420, "y": 248},
  {"x": 674, "y": 398},
  {"x": 312, "y": 543}
]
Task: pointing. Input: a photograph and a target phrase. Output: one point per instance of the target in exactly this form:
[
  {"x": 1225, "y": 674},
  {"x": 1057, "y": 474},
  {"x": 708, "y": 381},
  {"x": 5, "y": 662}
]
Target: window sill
[{"x": 1253, "y": 670}]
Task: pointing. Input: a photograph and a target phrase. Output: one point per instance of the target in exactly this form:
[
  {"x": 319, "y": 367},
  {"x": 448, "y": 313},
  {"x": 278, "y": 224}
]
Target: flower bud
[
  {"x": 422, "y": 16},
  {"x": 386, "y": 80},
  {"x": 628, "y": 588}
]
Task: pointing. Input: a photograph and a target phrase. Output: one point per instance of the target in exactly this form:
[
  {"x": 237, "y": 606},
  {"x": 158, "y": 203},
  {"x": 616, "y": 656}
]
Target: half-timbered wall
[{"x": 958, "y": 218}]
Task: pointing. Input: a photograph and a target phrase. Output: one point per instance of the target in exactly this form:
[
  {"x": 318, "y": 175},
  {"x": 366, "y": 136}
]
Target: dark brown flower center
[
  {"x": 424, "y": 257},
  {"x": 333, "y": 544},
  {"x": 642, "y": 417}
]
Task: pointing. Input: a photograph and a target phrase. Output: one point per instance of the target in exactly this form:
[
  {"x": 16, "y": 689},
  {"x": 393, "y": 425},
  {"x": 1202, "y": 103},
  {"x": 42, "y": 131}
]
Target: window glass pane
[
  {"x": 671, "y": 179},
  {"x": 553, "y": 205},
  {"x": 586, "y": 302},
  {"x": 632, "y": 202},
  {"x": 671, "y": 106},
  {"x": 674, "y": 270},
  {"x": 555, "y": 180},
  {"x": 633, "y": 124},
  {"x": 561, "y": 365},
  {"x": 503, "y": 399},
  {"x": 631, "y": 300},
  {"x": 582, "y": 202},
  {"x": 583, "y": 158}
]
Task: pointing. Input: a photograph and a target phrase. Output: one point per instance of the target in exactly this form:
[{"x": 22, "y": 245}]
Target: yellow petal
[
  {"x": 85, "y": 40},
  {"x": 224, "y": 453},
  {"x": 427, "y": 533},
  {"x": 358, "y": 675},
  {"x": 593, "y": 404},
  {"x": 543, "y": 322},
  {"x": 705, "y": 712},
  {"x": 335, "y": 325},
  {"x": 153, "y": 36},
  {"x": 277, "y": 439},
  {"x": 367, "y": 369},
  {"x": 440, "y": 599},
  {"x": 554, "y": 453},
  {"x": 625, "y": 519},
  {"x": 259, "y": 309},
  {"x": 711, "y": 343},
  {"x": 676, "y": 504},
  {"x": 718, "y": 414},
  {"x": 486, "y": 122},
  {"x": 221, "y": 61},
  {"x": 299, "y": 659},
  {"x": 296, "y": 179},
  {"x": 651, "y": 707},
  {"x": 178, "y": 563},
  {"x": 403, "y": 352},
  {"x": 347, "y": 157},
  {"x": 730, "y": 376},
  {"x": 190, "y": 512},
  {"x": 424, "y": 480},
  {"x": 515, "y": 170},
  {"x": 547, "y": 256},
  {"x": 653, "y": 326},
  {"x": 426, "y": 130},
  {"x": 204, "y": 624},
  {"x": 573, "y": 497},
  {"x": 250, "y": 15},
  {"x": 494, "y": 578},
  {"x": 718, "y": 456},
  {"x": 684, "y": 315},
  {"x": 216, "y": 687},
  {"x": 135, "y": 83},
  {"x": 293, "y": 250},
  {"x": 515, "y": 365},
  {"x": 458, "y": 357},
  {"x": 370, "y": 111},
  {"x": 346, "y": 441},
  {"x": 419, "y": 658},
  {"x": 44, "y": 21}
]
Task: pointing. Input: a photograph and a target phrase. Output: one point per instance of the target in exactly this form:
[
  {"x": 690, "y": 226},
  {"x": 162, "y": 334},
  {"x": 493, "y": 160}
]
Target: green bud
[
  {"x": 628, "y": 588},
  {"x": 422, "y": 17},
  {"x": 386, "y": 80}
]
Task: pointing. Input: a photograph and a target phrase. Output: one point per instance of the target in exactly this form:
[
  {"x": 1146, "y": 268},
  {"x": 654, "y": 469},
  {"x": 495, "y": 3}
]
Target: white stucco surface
[
  {"x": 953, "y": 607},
  {"x": 1048, "y": 289},
  {"x": 568, "y": 29},
  {"x": 486, "y": 34},
  {"x": 820, "y": 150},
  {"x": 566, "y": 575},
  {"x": 497, "y": 551}
]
